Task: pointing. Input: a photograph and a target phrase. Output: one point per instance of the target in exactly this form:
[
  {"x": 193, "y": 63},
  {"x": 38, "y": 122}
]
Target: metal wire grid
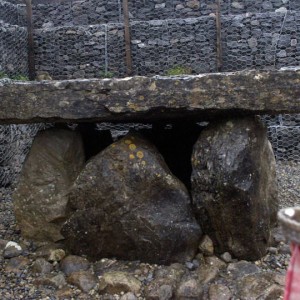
[
  {"x": 284, "y": 135},
  {"x": 261, "y": 41},
  {"x": 92, "y": 12},
  {"x": 166, "y": 46},
  {"x": 15, "y": 142},
  {"x": 77, "y": 13},
  {"x": 13, "y": 50},
  {"x": 11, "y": 14}
]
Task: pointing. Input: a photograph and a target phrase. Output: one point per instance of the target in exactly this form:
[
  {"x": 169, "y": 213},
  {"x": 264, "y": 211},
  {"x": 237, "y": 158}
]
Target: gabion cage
[{"x": 85, "y": 39}]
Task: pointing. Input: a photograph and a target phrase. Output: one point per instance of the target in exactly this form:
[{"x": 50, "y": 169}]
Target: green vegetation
[
  {"x": 179, "y": 70},
  {"x": 14, "y": 77},
  {"x": 19, "y": 77},
  {"x": 3, "y": 75},
  {"x": 103, "y": 74}
]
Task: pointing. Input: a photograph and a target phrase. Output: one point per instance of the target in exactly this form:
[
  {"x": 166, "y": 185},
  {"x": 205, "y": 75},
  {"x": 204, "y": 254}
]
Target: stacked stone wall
[
  {"x": 13, "y": 40},
  {"x": 94, "y": 12},
  {"x": 249, "y": 41}
]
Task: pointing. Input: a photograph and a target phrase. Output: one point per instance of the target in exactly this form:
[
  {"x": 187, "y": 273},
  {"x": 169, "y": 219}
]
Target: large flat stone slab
[{"x": 202, "y": 97}]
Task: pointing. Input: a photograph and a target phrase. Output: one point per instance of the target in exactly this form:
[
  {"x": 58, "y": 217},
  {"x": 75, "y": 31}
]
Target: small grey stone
[
  {"x": 17, "y": 264},
  {"x": 284, "y": 249},
  {"x": 161, "y": 5},
  {"x": 237, "y": 5},
  {"x": 281, "y": 10},
  {"x": 252, "y": 42},
  {"x": 128, "y": 296},
  {"x": 57, "y": 281},
  {"x": 219, "y": 291},
  {"x": 56, "y": 255},
  {"x": 42, "y": 266},
  {"x": 73, "y": 263},
  {"x": 281, "y": 54},
  {"x": 11, "y": 252},
  {"x": 206, "y": 246},
  {"x": 272, "y": 250},
  {"x": 84, "y": 280},
  {"x": 190, "y": 265},
  {"x": 294, "y": 42},
  {"x": 226, "y": 256},
  {"x": 189, "y": 289},
  {"x": 242, "y": 268}
]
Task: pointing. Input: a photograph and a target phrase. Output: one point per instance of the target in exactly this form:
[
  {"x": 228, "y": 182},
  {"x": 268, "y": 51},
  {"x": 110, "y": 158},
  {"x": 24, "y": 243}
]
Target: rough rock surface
[
  {"x": 234, "y": 186},
  {"x": 148, "y": 98},
  {"x": 54, "y": 161},
  {"x": 127, "y": 204}
]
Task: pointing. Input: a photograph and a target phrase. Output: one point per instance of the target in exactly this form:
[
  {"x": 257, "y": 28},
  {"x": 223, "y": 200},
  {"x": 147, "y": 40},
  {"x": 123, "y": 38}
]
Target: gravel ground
[
  {"x": 288, "y": 174},
  {"x": 22, "y": 284}
]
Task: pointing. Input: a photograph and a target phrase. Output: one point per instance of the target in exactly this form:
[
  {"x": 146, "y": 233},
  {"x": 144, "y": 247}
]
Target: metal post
[
  {"x": 219, "y": 37},
  {"x": 127, "y": 38},
  {"x": 31, "y": 61}
]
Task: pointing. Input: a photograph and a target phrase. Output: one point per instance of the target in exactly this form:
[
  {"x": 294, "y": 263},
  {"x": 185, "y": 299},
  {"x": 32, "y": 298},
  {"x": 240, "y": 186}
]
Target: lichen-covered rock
[
  {"x": 234, "y": 186},
  {"x": 127, "y": 204},
  {"x": 54, "y": 161}
]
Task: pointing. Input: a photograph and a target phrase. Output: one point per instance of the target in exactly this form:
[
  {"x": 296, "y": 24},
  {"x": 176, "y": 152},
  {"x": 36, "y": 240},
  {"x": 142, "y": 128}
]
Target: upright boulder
[
  {"x": 127, "y": 204},
  {"x": 234, "y": 186},
  {"x": 40, "y": 200}
]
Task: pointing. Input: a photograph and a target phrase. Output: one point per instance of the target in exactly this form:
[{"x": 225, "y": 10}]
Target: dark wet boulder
[
  {"x": 127, "y": 204},
  {"x": 234, "y": 186},
  {"x": 40, "y": 200}
]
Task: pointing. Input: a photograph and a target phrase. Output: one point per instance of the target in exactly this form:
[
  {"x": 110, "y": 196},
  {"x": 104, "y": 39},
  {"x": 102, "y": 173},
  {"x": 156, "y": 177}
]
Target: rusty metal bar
[
  {"x": 31, "y": 60},
  {"x": 219, "y": 37},
  {"x": 128, "y": 57}
]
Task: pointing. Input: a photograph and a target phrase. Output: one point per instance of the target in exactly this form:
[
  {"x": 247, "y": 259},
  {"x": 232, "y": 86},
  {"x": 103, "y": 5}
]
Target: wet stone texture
[
  {"x": 234, "y": 186},
  {"x": 40, "y": 200},
  {"x": 127, "y": 204}
]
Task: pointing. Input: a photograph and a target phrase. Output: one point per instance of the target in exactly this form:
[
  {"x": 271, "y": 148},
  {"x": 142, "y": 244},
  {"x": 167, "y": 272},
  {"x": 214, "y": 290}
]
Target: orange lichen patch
[
  {"x": 128, "y": 142},
  {"x": 141, "y": 98},
  {"x": 195, "y": 161},
  {"x": 132, "y": 147},
  {"x": 131, "y": 156},
  {"x": 140, "y": 154}
]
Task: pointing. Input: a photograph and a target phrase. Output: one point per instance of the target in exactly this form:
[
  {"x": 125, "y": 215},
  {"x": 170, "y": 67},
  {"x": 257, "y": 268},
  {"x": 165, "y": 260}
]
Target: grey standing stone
[
  {"x": 234, "y": 186},
  {"x": 40, "y": 200}
]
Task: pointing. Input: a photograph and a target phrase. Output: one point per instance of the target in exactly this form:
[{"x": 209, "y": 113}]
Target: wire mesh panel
[
  {"x": 71, "y": 52},
  {"x": 250, "y": 41},
  {"x": 115, "y": 45},
  {"x": 284, "y": 134},
  {"x": 11, "y": 14},
  {"x": 13, "y": 51},
  {"x": 77, "y": 12},
  {"x": 15, "y": 141}
]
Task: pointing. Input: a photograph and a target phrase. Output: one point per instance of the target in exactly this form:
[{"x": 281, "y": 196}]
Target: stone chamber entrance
[{"x": 155, "y": 195}]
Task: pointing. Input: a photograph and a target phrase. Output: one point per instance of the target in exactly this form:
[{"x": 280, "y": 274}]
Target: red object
[{"x": 292, "y": 283}]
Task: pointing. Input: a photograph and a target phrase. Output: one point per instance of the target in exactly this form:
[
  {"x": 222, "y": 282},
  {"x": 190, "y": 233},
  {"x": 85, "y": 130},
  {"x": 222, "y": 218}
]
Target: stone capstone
[
  {"x": 204, "y": 96},
  {"x": 40, "y": 199},
  {"x": 234, "y": 186},
  {"x": 126, "y": 203}
]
